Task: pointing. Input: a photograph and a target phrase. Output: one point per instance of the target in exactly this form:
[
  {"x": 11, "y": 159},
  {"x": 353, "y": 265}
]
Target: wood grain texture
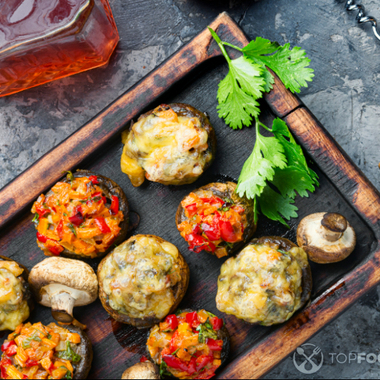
[{"x": 255, "y": 349}]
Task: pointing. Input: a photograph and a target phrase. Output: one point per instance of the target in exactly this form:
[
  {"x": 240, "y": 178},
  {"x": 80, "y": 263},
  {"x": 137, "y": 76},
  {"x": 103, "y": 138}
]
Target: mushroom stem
[
  {"x": 62, "y": 305},
  {"x": 333, "y": 226}
]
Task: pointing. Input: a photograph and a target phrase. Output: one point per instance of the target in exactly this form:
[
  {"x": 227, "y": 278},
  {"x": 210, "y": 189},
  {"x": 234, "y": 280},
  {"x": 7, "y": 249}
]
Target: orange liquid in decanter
[{"x": 44, "y": 40}]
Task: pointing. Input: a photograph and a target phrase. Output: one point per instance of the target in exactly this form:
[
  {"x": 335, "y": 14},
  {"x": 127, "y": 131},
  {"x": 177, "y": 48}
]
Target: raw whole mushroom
[
  {"x": 326, "y": 237},
  {"x": 62, "y": 284},
  {"x": 146, "y": 370}
]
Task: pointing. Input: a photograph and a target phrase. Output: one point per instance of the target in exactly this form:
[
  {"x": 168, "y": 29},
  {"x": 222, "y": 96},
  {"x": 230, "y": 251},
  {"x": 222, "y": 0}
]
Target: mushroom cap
[
  {"x": 145, "y": 370},
  {"x": 65, "y": 274},
  {"x": 310, "y": 236}
]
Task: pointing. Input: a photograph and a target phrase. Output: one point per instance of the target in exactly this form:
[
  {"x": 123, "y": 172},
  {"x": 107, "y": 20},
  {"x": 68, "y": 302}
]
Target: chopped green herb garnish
[
  {"x": 205, "y": 332},
  {"x": 164, "y": 370},
  {"x": 283, "y": 252},
  {"x": 49, "y": 336},
  {"x": 72, "y": 229},
  {"x": 26, "y": 342},
  {"x": 36, "y": 218},
  {"x": 175, "y": 351},
  {"x": 69, "y": 354}
]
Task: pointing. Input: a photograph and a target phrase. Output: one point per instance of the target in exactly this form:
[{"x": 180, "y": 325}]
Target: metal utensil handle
[{"x": 361, "y": 16}]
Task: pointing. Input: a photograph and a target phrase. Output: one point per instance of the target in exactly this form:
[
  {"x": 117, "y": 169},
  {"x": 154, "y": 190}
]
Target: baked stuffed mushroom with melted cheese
[
  {"x": 266, "y": 283},
  {"x": 172, "y": 144},
  {"x": 215, "y": 219},
  {"x": 82, "y": 216},
  {"x": 142, "y": 280},
  {"x": 15, "y": 296}
]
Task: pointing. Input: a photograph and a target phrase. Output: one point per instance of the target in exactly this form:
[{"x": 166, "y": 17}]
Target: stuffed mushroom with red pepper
[
  {"x": 215, "y": 219},
  {"x": 46, "y": 352},
  {"x": 266, "y": 283},
  {"x": 143, "y": 280},
  {"x": 189, "y": 345},
  {"x": 15, "y": 295},
  {"x": 82, "y": 216},
  {"x": 172, "y": 144}
]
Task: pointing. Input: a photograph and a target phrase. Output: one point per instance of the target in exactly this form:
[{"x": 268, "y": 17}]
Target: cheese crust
[
  {"x": 168, "y": 146},
  {"x": 138, "y": 277},
  {"x": 262, "y": 284}
]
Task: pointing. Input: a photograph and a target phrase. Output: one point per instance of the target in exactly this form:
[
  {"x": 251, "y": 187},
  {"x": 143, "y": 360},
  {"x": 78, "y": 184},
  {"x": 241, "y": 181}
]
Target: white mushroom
[
  {"x": 326, "y": 237},
  {"x": 62, "y": 284},
  {"x": 145, "y": 370}
]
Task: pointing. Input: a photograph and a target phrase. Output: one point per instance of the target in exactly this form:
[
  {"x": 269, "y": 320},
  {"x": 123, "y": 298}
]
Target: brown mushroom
[
  {"x": 326, "y": 237},
  {"x": 146, "y": 370},
  {"x": 62, "y": 284}
]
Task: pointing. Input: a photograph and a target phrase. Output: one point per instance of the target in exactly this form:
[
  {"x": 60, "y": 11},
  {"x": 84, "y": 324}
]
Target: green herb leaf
[
  {"x": 164, "y": 370},
  {"x": 268, "y": 153},
  {"x": 273, "y": 205},
  {"x": 26, "y": 342},
  {"x": 68, "y": 373},
  {"x": 69, "y": 354},
  {"x": 36, "y": 218},
  {"x": 283, "y": 252},
  {"x": 175, "y": 351},
  {"x": 291, "y": 65},
  {"x": 206, "y": 332},
  {"x": 72, "y": 229}
]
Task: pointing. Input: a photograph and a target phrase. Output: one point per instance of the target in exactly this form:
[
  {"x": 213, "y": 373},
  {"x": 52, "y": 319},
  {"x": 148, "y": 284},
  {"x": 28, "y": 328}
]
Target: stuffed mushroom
[
  {"x": 172, "y": 144},
  {"x": 40, "y": 352},
  {"x": 82, "y": 216},
  {"x": 189, "y": 345},
  {"x": 15, "y": 296},
  {"x": 266, "y": 283},
  {"x": 142, "y": 280},
  {"x": 215, "y": 219}
]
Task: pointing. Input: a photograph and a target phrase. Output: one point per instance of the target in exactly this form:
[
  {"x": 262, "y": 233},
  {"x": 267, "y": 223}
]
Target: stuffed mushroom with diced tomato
[
  {"x": 172, "y": 144},
  {"x": 46, "y": 352},
  {"x": 142, "y": 280},
  {"x": 15, "y": 295},
  {"x": 215, "y": 219},
  {"x": 189, "y": 345},
  {"x": 82, "y": 216},
  {"x": 266, "y": 283}
]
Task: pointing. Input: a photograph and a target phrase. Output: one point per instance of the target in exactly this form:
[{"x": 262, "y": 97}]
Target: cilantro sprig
[{"x": 277, "y": 170}]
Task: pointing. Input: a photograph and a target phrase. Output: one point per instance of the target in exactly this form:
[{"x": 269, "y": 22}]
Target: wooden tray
[{"x": 192, "y": 76}]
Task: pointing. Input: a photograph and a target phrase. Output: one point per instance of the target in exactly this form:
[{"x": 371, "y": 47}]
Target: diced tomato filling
[
  {"x": 190, "y": 350},
  {"x": 75, "y": 216},
  {"x": 30, "y": 352},
  {"x": 212, "y": 224}
]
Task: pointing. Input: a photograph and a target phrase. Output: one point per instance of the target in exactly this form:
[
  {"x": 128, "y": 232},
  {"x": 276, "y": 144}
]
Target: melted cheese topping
[
  {"x": 138, "y": 277},
  {"x": 14, "y": 308},
  {"x": 262, "y": 285},
  {"x": 165, "y": 148}
]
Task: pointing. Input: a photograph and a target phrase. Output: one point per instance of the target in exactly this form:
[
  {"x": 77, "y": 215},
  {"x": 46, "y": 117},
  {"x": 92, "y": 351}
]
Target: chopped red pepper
[
  {"x": 196, "y": 242},
  {"x": 143, "y": 359},
  {"x": 101, "y": 223},
  {"x": 94, "y": 179},
  {"x": 100, "y": 195},
  {"x": 214, "y": 345},
  {"x": 114, "y": 209},
  {"x": 176, "y": 363},
  {"x": 172, "y": 321},
  {"x": 203, "y": 360},
  {"x": 77, "y": 219},
  {"x": 192, "y": 319},
  {"x": 56, "y": 250},
  {"x": 11, "y": 350},
  {"x": 41, "y": 211},
  {"x": 192, "y": 209},
  {"x": 41, "y": 238},
  {"x": 227, "y": 232},
  {"x": 212, "y": 232},
  {"x": 31, "y": 363},
  {"x": 5, "y": 346},
  {"x": 216, "y": 323},
  {"x": 3, "y": 364},
  {"x": 60, "y": 229}
]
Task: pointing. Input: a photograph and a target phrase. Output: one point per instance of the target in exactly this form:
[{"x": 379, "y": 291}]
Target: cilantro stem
[
  {"x": 220, "y": 44},
  {"x": 232, "y": 46},
  {"x": 263, "y": 125}
]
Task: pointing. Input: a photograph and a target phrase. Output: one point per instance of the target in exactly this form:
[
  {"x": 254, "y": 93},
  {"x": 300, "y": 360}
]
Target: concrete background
[{"x": 344, "y": 96}]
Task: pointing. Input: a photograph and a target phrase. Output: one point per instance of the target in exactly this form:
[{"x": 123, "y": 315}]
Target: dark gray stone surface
[{"x": 344, "y": 96}]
